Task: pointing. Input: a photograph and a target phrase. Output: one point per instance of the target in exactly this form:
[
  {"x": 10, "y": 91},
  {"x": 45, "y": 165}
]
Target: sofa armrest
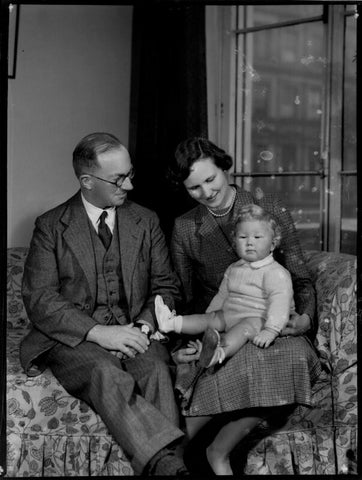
[
  {"x": 16, "y": 315},
  {"x": 334, "y": 277}
]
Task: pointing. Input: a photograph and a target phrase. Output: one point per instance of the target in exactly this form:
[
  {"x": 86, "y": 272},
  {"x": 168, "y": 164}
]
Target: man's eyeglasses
[{"x": 120, "y": 180}]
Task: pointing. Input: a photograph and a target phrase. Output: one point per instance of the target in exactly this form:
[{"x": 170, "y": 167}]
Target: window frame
[{"x": 229, "y": 101}]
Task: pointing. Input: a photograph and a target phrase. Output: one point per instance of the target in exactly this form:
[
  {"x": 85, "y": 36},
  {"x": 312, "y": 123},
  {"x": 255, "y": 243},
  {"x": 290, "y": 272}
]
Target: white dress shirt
[{"x": 94, "y": 213}]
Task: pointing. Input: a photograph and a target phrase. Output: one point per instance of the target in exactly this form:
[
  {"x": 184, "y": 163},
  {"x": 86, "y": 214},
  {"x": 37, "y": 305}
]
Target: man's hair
[
  {"x": 85, "y": 154},
  {"x": 255, "y": 212},
  {"x": 190, "y": 151}
]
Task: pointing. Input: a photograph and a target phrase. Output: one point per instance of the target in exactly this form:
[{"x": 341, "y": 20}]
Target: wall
[{"x": 72, "y": 78}]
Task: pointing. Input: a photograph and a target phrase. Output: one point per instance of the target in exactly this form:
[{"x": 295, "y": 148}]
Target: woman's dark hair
[{"x": 191, "y": 150}]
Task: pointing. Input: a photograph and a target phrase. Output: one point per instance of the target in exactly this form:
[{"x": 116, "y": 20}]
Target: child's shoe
[
  {"x": 211, "y": 352},
  {"x": 167, "y": 320}
]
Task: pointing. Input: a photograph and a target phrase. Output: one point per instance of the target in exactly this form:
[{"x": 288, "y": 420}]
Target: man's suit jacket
[
  {"x": 59, "y": 282},
  {"x": 201, "y": 253}
]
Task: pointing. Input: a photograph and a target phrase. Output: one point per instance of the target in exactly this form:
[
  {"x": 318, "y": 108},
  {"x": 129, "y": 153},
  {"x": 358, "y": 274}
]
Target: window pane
[
  {"x": 351, "y": 8},
  {"x": 349, "y": 215},
  {"x": 284, "y": 77},
  {"x": 350, "y": 96},
  {"x": 301, "y": 194},
  {"x": 269, "y": 14}
]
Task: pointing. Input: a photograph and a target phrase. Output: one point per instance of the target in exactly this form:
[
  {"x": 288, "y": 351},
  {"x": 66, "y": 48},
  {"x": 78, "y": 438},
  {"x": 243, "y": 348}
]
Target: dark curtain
[{"x": 168, "y": 99}]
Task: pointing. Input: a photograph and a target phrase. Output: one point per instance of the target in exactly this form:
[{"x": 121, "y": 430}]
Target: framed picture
[{"x": 14, "y": 11}]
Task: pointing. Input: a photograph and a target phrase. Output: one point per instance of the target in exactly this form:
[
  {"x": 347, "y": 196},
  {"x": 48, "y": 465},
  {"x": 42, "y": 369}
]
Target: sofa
[{"x": 50, "y": 433}]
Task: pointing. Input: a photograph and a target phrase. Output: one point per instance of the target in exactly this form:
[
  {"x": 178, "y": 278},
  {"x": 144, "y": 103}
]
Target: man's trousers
[{"x": 134, "y": 397}]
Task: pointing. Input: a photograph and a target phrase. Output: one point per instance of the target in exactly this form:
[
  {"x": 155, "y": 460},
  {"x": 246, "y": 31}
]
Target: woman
[{"x": 202, "y": 249}]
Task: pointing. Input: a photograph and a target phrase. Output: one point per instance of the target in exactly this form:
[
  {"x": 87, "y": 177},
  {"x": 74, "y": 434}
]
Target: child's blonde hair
[{"x": 255, "y": 212}]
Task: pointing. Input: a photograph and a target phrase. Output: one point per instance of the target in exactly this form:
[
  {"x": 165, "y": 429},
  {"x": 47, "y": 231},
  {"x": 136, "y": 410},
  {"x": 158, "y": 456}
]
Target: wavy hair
[{"x": 190, "y": 151}]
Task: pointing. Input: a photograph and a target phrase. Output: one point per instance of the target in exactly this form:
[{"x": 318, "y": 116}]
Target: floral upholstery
[
  {"x": 321, "y": 440},
  {"x": 50, "y": 433}
]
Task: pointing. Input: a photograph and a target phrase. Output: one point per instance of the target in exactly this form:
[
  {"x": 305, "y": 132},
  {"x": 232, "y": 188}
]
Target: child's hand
[{"x": 264, "y": 338}]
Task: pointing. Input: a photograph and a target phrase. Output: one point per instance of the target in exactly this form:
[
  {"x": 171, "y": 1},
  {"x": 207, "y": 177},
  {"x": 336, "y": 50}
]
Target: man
[{"x": 95, "y": 265}]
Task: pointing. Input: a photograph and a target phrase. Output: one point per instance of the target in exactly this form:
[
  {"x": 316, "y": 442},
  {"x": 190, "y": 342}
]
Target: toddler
[{"x": 255, "y": 297}]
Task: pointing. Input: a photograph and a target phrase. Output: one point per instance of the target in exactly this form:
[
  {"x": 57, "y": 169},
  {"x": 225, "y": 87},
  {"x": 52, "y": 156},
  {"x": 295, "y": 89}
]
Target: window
[
  {"x": 348, "y": 173},
  {"x": 288, "y": 112}
]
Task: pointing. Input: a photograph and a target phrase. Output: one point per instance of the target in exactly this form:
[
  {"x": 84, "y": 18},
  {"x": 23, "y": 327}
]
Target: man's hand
[
  {"x": 264, "y": 338},
  {"x": 297, "y": 325},
  {"x": 123, "y": 338},
  {"x": 188, "y": 354}
]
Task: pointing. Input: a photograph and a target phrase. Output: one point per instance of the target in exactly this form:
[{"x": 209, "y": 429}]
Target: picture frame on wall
[{"x": 14, "y": 11}]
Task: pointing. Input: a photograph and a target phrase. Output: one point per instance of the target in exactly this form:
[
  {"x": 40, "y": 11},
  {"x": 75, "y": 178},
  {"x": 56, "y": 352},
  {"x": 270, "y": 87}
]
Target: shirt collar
[
  {"x": 94, "y": 213},
  {"x": 259, "y": 263}
]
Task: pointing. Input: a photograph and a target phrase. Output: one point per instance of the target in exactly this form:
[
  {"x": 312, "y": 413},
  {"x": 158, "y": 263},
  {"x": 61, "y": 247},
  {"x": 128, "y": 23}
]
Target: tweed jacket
[
  {"x": 59, "y": 282},
  {"x": 201, "y": 253}
]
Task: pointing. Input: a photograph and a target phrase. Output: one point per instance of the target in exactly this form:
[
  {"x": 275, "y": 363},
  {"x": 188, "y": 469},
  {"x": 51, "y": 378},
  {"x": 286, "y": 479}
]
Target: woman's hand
[
  {"x": 297, "y": 325},
  {"x": 189, "y": 353}
]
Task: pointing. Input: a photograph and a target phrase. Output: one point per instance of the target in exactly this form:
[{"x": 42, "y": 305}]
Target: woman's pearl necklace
[{"x": 229, "y": 208}]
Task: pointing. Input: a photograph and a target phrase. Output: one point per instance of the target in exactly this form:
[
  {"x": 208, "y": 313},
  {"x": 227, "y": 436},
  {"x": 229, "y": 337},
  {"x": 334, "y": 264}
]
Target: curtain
[{"x": 168, "y": 99}]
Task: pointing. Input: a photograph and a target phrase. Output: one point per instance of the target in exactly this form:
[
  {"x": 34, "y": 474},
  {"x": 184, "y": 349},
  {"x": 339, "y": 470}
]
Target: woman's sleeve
[
  {"x": 182, "y": 263},
  {"x": 290, "y": 255}
]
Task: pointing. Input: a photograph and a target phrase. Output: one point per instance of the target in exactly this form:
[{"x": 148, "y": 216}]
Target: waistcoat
[{"x": 111, "y": 303}]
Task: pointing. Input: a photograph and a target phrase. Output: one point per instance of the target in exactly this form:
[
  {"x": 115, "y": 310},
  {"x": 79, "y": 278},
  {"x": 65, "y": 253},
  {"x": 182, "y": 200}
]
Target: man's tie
[{"x": 104, "y": 232}]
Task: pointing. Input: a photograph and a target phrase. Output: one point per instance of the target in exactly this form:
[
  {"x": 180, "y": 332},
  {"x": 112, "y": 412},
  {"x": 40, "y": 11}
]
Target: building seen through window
[{"x": 294, "y": 82}]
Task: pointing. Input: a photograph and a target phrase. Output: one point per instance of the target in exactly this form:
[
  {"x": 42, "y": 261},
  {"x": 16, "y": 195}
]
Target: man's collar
[{"x": 94, "y": 212}]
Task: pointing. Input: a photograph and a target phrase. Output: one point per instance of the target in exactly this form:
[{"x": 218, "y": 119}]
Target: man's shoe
[{"x": 166, "y": 462}]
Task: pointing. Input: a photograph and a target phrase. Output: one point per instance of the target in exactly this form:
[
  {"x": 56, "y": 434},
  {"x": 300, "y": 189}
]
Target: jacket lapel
[
  {"x": 79, "y": 240},
  {"x": 208, "y": 227},
  {"x": 242, "y": 198},
  {"x": 130, "y": 238},
  {"x": 211, "y": 232}
]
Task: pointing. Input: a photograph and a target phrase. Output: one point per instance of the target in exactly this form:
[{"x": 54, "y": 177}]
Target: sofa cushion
[{"x": 50, "y": 431}]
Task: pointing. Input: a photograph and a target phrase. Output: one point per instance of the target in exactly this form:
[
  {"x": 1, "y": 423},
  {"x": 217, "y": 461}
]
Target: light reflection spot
[
  {"x": 259, "y": 193},
  {"x": 266, "y": 155}
]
